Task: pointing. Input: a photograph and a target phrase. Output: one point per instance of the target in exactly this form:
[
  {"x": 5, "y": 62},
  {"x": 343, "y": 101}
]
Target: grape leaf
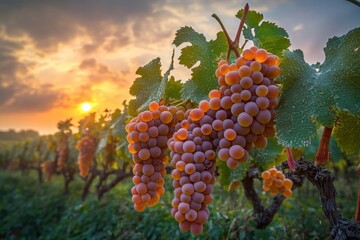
[
  {"x": 264, "y": 34},
  {"x": 294, "y": 126},
  {"x": 312, "y": 95},
  {"x": 341, "y": 71},
  {"x": 151, "y": 86},
  {"x": 266, "y": 158},
  {"x": 348, "y": 132},
  {"x": 229, "y": 176},
  {"x": 173, "y": 89},
  {"x": 206, "y": 54},
  {"x": 102, "y": 143},
  {"x": 119, "y": 123}
]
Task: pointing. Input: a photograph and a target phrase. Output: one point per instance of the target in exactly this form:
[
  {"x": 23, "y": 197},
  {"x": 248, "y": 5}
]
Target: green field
[{"x": 29, "y": 210}]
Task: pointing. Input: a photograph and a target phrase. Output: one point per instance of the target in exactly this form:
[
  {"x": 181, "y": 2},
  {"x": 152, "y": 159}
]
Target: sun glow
[{"x": 86, "y": 107}]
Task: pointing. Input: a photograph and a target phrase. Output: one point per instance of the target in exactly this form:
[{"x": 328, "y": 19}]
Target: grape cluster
[
  {"x": 86, "y": 146},
  {"x": 148, "y": 134},
  {"x": 238, "y": 116},
  {"x": 193, "y": 158},
  {"x": 276, "y": 182},
  {"x": 48, "y": 167},
  {"x": 243, "y": 105},
  {"x": 62, "y": 155}
]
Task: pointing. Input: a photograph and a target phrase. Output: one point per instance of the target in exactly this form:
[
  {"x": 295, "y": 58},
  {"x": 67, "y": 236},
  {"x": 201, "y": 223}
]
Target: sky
[{"x": 56, "y": 55}]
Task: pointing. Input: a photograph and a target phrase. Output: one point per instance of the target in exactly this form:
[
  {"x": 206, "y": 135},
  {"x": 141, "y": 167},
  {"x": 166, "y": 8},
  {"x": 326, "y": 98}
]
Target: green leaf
[
  {"x": 205, "y": 53},
  {"x": 266, "y": 158},
  {"x": 348, "y": 132},
  {"x": 310, "y": 95},
  {"x": 151, "y": 86},
  {"x": 102, "y": 144},
  {"x": 253, "y": 18},
  {"x": 266, "y": 35},
  {"x": 173, "y": 89},
  {"x": 228, "y": 176},
  {"x": 294, "y": 126},
  {"x": 341, "y": 71},
  {"x": 119, "y": 123}
]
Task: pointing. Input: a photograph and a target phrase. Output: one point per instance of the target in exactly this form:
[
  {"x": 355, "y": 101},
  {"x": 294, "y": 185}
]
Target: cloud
[
  {"x": 51, "y": 23},
  {"x": 298, "y": 27},
  {"x": 136, "y": 30},
  {"x": 93, "y": 72},
  {"x": 89, "y": 63},
  {"x": 6, "y": 92},
  {"x": 12, "y": 70},
  {"x": 19, "y": 91},
  {"x": 30, "y": 99}
]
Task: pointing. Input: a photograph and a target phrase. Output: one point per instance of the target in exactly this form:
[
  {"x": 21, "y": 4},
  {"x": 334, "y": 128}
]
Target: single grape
[
  {"x": 251, "y": 108},
  {"x": 232, "y": 78},
  {"x": 273, "y": 72},
  {"x": 244, "y": 71},
  {"x": 154, "y": 106},
  {"x": 236, "y": 152},
  {"x": 204, "y": 105},
  {"x": 262, "y": 102},
  {"x": 214, "y": 94},
  {"x": 248, "y": 54},
  {"x": 230, "y": 134},
  {"x": 261, "y": 91},
  {"x": 245, "y": 95},
  {"x": 264, "y": 116},
  {"x": 244, "y": 119}
]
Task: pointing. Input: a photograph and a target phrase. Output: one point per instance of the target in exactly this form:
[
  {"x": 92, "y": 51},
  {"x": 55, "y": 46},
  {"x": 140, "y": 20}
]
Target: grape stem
[
  {"x": 357, "y": 214},
  {"x": 241, "y": 25},
  {"x": 323, "y": 154},
  {"x": 233, "y": 45},
  {"x": 290, "y": 159},
  {"x": 242, "y": 47}
]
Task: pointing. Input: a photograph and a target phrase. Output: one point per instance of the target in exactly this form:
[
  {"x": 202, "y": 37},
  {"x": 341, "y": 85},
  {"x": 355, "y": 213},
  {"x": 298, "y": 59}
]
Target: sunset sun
[{"x": 86, "y": 107}]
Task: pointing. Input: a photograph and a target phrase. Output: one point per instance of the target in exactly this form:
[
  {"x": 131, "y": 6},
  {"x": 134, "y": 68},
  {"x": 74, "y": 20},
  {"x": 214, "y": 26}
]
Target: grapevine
[
  {"x": 49, "y": 168},
  {"x": 62, "y": 155},
  {"x": 246, "y": 115},
  {"x": 86, "y": 146}
]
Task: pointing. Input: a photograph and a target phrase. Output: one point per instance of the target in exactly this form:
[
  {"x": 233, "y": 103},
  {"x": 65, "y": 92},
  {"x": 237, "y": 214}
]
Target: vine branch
[
  {"x": 233, "y": 45},
  {"x": 323, "y": 154},
  {"x": 264, "y": 216},
  {"x": 341, "y": 228},
  {"x": 241, "y": 25}
]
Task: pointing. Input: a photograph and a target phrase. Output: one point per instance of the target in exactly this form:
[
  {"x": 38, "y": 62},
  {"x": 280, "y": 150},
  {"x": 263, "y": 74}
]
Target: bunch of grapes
[
  {"x": 276, "y": 182},
  {"x": 237, "y": 117},
  {"x": 62, "y": 155},
  {"x": 193, "y": 158},
  {"x": 86, "y": 146},
  {"x": 48, "y": 167},
  {"x": 148, "y": 134},
  {"x": 248, "y": 95}
]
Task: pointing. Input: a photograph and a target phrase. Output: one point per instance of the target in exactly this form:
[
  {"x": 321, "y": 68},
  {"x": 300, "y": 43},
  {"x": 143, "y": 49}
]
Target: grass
[{"x": 29, "y": 210}]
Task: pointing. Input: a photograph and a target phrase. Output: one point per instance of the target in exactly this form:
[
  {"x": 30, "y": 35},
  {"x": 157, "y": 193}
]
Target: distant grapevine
[{"x": 86, "y": 146}]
